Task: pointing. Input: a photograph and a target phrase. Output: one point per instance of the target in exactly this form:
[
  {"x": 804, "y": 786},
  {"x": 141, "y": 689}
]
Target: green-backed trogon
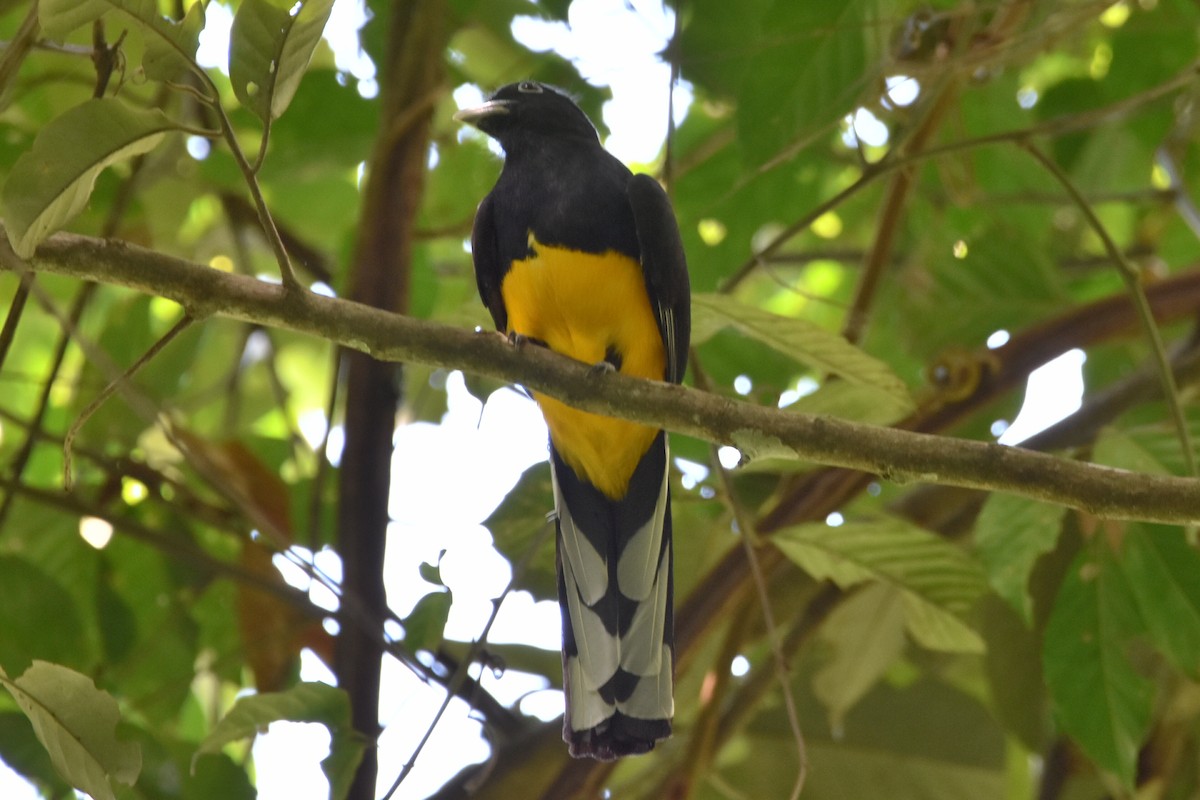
[{"x": 575, "y": 253}]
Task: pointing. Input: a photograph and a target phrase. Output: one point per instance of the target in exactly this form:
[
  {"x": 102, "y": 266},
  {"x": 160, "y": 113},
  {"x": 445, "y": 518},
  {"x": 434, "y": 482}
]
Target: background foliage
[{"x": 942, "y": 643}]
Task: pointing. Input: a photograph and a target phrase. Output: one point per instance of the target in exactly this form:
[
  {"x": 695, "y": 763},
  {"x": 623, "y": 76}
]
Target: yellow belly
[{"x": 580, "y": 305}]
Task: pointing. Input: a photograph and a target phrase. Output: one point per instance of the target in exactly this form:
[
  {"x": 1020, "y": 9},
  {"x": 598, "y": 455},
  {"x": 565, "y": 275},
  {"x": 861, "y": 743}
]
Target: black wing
[
  {"x": 665, "y": 268},
  {"x": 489, "y": 272}
]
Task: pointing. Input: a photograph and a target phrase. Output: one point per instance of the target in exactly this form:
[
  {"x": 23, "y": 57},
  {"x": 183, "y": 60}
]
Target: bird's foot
[{"x": 520, "y": 340}]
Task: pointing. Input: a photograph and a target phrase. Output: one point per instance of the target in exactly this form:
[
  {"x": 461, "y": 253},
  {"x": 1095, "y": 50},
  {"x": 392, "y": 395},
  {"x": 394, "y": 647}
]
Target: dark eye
[{"x": 529, "y": 87}]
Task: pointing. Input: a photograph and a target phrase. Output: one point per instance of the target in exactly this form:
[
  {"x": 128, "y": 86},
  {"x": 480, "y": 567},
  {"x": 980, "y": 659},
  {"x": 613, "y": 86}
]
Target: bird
[{"x": 574, "y": 252}]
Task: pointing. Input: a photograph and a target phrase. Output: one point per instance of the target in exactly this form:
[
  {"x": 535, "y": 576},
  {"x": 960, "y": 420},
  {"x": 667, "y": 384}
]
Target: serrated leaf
[
  {"x": 269, "y": 52},
  {"x": 935, "y": 630},
  {"x": 853, "y": 402},
  {"x": 1010, "y": 535},
  {"x": 939, "y": 583},
  {"x": 1100, "y": 701},
  {"x": 58, "y": 18},
  {"x": 1152, "y": 448},
  {"x": 810, "y": 344},
  {"x": 1163, "y": 572},
  {"x": 1117, "y": 448},
  {"x": 76, "y": 723},
  {"x": 52, "y": 182},
  {"x": 306, "y": 702}
]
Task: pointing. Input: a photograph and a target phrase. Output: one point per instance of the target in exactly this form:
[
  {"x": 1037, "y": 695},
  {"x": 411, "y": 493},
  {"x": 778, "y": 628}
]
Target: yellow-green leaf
[
  {"x": 939, "y": 583},
  {"x": 76, "y": 723},
  {"x": 809, "y": 344}
]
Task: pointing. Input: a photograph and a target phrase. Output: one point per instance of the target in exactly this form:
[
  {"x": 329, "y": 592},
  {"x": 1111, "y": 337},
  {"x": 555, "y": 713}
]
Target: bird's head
[{"x": 527, "y": 110}]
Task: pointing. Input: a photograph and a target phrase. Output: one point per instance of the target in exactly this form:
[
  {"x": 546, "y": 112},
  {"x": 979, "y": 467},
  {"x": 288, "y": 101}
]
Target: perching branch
[{"x": 757, "y": 431}]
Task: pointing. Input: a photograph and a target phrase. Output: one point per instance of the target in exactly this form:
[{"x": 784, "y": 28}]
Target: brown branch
[
  {"x": 1052, "y": 127},
  {"x": 411, "y": 77},
  {"x": 898, "y": 455}
]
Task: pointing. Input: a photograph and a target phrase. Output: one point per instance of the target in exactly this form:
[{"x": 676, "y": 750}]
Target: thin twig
[
  {"x": 316, "y": 500},
  {"x": 704, "y": 730},
  {"x": 286, "y": 273},
  {"x": 70, "y": 321},
  {"x": 892, "y": 162},
  {"x": 69, "y": 439},
  {"x": 460, "y": 673},
  {"x": 745, "y": 526},
  {"x": 1137, "y": 293},
  {"x": 749, "y": 541},
  {"x": 15, "y": 309}
]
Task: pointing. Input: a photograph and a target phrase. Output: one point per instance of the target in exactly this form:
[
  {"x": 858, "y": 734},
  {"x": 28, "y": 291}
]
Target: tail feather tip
[{"x": 615, "y": 737}]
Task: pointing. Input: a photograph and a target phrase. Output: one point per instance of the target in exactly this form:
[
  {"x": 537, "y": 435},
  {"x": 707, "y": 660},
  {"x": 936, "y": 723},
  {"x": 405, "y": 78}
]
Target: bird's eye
[{"x": 529, "y": 87}]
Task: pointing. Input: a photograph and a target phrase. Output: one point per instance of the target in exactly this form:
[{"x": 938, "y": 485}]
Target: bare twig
[
  {"x": 745, "y": 526},
  {"x": 68, "y": 441},
  {"x": 1137, "y": 293},
  {"x": 749, "y": 540},
  {"x": 890, "y": 163},
  {"x": 460, "y": 674}
]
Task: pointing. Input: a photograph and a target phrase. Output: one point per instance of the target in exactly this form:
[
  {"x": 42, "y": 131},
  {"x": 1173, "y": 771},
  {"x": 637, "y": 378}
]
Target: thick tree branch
[{"x": 757, "y": 431}]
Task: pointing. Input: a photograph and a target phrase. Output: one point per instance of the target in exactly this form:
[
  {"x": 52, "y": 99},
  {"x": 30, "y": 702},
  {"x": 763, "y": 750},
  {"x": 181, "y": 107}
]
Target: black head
[{"x": 529, "y": 110}]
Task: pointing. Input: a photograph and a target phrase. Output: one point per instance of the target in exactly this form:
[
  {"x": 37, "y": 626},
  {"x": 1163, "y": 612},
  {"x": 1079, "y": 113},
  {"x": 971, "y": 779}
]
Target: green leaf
[
  {"x": 52, "y": 182},
  {"x": 306, "y": 702},
  {"x": 1163, "y": 572},
  {"x": 517, "y": 525},
  {"x": 937, "y": 581},
  {"x": 24, "y": 754},
  {"x": 1010, "y": 534},
  {"x": 269, "y": 52},
  {"x": 1151, "y": 448},
  {"x": 60, "y": 17},
  {"x": 925, "y": 740},
  {"x": 854, "y": 402},
  {"x": 170, "y": 46},
  {"x": 423, "y": 628},
  {"x": 76, "y": 723},
  {"x": 1100, "y": 701},
  {"x": 807, "y": 71},
  {"x": 866, "y": 634},
  {"x": 27, "y": 594},
  {"x": 1013, "y": 667},
  {"x": 796, "y": 338},
  {"x": 172, "y": 51}
]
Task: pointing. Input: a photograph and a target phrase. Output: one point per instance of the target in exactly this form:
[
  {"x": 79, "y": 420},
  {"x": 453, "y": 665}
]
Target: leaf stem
[{"x": 286, "y": 273}]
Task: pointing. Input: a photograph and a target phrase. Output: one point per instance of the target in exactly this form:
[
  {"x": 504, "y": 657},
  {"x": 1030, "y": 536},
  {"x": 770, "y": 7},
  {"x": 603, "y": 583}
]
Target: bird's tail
[{"x": 615, "y": 590}]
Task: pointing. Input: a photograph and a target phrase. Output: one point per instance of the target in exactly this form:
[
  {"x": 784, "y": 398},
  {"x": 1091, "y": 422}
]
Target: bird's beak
[{"x": 492, "y": 108}]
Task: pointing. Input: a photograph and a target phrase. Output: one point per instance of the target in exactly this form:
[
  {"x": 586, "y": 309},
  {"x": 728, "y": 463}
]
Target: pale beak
[{"x": 472, "y": 116}]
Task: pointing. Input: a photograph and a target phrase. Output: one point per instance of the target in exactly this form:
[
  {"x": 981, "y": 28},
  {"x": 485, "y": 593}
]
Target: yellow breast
[{"x": 583, "y": 305}]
